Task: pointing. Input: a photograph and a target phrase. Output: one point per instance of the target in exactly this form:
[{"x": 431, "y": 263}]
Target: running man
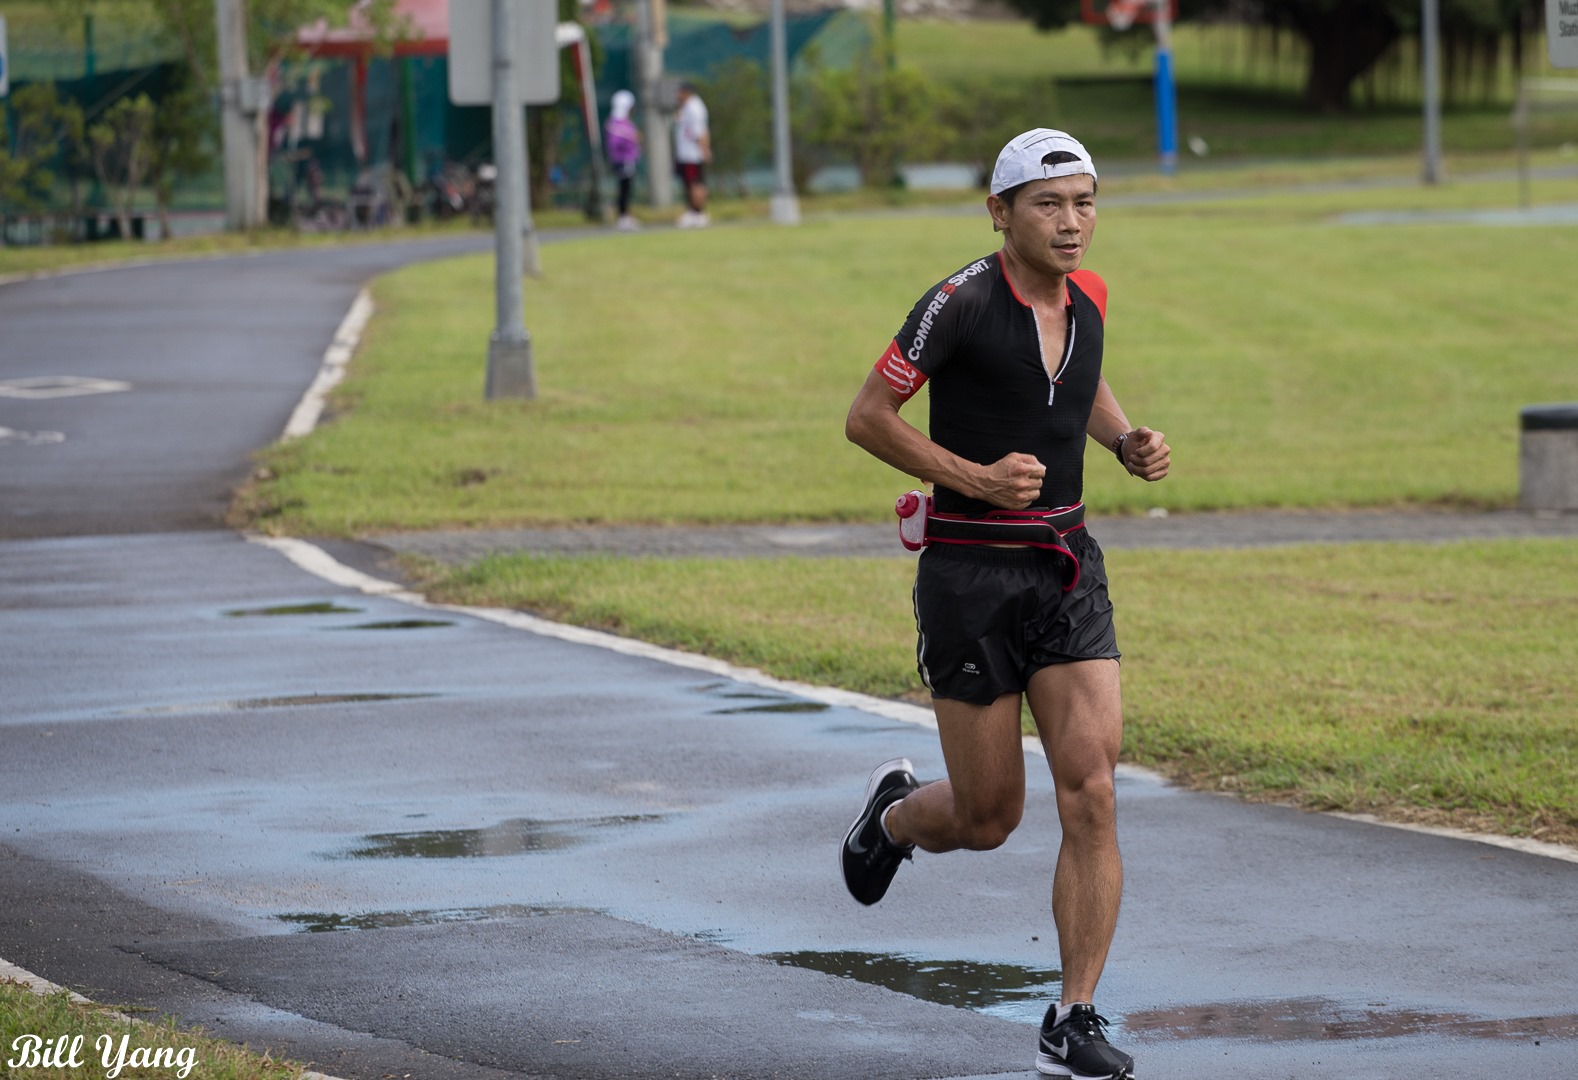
[{"x": 1011, "y": 591}]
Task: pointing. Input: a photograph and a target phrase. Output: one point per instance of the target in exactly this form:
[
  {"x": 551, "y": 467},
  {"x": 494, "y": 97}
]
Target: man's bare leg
[
  {"x": 983, "y": 798},
  {"x": 1079, "y": 713}
]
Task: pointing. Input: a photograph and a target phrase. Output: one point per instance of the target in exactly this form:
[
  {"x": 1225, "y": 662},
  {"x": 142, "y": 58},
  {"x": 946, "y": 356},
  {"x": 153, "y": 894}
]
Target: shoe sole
[
  {"x": 871, "y": 790},
  {"x": 1050, "y": 1066}
]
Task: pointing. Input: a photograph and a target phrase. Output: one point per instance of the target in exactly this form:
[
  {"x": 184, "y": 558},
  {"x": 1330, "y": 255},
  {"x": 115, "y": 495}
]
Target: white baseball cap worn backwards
[{"x": 1040, "y": 155}]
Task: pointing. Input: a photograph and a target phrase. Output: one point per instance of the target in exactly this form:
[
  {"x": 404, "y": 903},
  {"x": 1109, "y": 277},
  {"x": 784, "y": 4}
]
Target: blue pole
[{"x": 1166, "y": 96}]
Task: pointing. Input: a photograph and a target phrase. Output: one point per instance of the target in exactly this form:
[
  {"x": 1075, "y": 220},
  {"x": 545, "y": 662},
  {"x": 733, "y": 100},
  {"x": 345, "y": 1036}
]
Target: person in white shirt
[{"x": 692, "y": 151}]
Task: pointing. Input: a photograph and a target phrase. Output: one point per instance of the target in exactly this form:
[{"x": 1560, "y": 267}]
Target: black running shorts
[{"x": 988, "y": 618}]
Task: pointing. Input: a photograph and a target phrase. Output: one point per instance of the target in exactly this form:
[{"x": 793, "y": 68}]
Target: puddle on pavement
[
  {"x": 284, "y": 702},
  {"x": 518, "y": 836},
  {"x": 767, "y": 701},
  {"x": 1321, "y": 1018},
  {"x": 1005, "y": 990},
  {"x": 322, "y": 607},
  {"x": 317, "y": 922},
  {"x": 399, "y": 624},
  {"x": 775, "y": 707}
]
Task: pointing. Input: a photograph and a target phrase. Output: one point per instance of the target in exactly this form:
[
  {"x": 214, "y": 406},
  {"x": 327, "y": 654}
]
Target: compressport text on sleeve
[{"x": 937, "y": 324}]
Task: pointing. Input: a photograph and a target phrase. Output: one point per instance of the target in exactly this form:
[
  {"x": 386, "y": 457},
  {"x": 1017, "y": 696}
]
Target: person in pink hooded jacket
[{"x": 623, "y": 140}]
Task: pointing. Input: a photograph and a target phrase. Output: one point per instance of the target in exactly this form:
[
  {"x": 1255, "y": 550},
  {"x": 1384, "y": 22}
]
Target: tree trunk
[
  {"x": 163, "y": 195},
  {"x": 1345, "y": 41},
  {"x": 543, "y": 127}
]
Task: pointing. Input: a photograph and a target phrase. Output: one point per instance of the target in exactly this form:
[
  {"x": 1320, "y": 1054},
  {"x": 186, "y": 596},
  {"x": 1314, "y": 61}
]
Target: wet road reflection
[
  {"x": 1006, "y": 990},
  {"x": 318, "y": 922},
  {"x": 514, "y": 837},
  {"x": 775, "y": 707},
  {"x": 288, "y": 701},
  {"x": 321, "y": 607},
  {"x": 1322, "y": 1018},
  {"x": 399, "y": 624}
]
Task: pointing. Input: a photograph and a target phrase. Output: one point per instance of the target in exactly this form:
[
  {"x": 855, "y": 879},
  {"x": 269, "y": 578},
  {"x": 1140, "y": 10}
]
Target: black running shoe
[
  {"x": 870, "y": 859},
  {"x": 1078, "y": 1048}
]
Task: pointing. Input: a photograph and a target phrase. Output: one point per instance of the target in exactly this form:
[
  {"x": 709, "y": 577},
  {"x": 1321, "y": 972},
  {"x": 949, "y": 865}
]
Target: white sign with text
[{"x": 1561, "y": 32}]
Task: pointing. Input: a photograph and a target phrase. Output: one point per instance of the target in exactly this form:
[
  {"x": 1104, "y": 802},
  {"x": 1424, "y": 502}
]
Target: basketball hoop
[{"x": 1122, "y": 14}]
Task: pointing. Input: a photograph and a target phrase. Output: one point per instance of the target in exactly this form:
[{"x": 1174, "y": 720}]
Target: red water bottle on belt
[{"x": 911, "y": 509}]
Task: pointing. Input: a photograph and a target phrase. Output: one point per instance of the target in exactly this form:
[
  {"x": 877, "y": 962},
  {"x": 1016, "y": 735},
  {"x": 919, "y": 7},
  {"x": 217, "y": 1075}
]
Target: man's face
[{"x": 1051, "y": 222}]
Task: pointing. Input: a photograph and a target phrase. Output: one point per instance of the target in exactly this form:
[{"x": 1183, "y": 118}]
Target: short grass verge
[
  {"x": 40, "y": 1034},
  {"x": 1424, "y": 682},
  {"x": 704, "y": 376}
]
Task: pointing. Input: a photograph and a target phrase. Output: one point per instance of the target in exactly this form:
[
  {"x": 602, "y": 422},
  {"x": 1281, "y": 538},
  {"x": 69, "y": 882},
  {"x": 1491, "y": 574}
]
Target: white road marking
[
  {"x": 310, "y": 409},
  {"x": 30, "y": 438},
  {"x": 56, "y": 386}
]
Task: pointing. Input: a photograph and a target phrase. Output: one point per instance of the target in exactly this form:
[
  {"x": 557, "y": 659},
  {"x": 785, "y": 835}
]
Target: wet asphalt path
[{"x": 529, "y": 857}]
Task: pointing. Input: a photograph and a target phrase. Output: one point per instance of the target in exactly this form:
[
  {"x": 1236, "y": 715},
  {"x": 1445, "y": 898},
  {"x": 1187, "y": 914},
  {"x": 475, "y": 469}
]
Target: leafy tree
[
  {"x": 272, "y": 26},
  {"x": 1346, "y": 39},
  {"x": 871, "y": 114},
  {"x": 979, "y": 116},
  {"x": 180, "y": 146},
  {"x": 121, "y": 144},
  {"x": 1048, "y": 14},
  {"x": 13, "y": 176},
  {"x": 739, "y": 116},
  {"x": 49, "y": 133}
]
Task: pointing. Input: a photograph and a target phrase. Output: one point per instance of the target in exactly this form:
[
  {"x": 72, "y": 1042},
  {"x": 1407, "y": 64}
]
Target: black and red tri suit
[{"x": 990, "y": 617}]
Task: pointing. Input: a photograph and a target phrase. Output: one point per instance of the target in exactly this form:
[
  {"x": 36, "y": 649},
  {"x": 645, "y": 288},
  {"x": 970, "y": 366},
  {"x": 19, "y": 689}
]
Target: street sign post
[
  {"x": 1561, "y": 32},
  {"x": 1430, "y": 62},
  {"x": 505, "y": 53},
  {"x": 535, "y": 54}
]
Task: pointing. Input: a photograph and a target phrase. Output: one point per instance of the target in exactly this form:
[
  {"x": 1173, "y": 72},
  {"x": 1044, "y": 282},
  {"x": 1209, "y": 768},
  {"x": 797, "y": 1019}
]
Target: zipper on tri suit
[{"x": 1068, "y": 355}]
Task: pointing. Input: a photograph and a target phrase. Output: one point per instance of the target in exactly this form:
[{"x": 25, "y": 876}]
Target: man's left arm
[{"x": 1144, "y": 452}]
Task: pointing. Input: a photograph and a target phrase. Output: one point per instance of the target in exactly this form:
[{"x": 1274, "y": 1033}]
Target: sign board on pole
[
  {"x": 1561, "y": 32},
  {"x": 5, "y": 67},
  {"x": 536, "y": 52}
]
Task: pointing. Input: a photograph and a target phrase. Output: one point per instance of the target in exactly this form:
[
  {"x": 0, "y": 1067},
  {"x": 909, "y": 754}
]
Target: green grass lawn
[
  {"x": 1431, "y": 682},
  {"x": 704, "y": 377}
]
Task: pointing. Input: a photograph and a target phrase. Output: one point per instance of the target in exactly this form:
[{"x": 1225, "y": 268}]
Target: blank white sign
[{"x": 536, "y": 52}]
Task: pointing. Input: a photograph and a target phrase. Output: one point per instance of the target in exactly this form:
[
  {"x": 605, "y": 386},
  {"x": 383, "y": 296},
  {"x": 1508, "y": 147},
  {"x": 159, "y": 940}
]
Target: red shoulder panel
[
  {"x": 900, "y": 374},
  {"x": 1091, "y": 285}
]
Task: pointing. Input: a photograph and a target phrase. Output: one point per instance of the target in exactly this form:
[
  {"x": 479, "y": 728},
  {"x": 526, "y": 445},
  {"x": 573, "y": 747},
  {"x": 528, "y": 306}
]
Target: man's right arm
[{"x": 875, "y": 426}]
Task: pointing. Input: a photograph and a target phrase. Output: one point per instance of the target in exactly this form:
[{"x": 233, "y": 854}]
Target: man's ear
[{"x": 996, "y": 207}]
